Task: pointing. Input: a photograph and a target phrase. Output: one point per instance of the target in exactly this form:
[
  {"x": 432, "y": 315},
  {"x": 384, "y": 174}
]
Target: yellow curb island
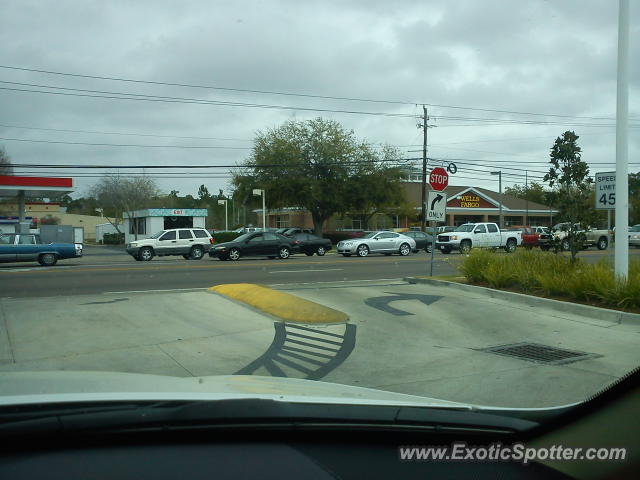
[{"x": 280, "y": 304}]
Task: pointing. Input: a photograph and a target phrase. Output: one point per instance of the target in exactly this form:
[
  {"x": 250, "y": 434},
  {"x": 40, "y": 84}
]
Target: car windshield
[{"x": 387, "y": 133}]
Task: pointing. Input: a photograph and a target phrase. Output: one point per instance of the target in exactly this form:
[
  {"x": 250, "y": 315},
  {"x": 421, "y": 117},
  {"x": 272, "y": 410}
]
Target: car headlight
[
  {"x": 635, "y": 236},
  {"x": 347, "y": 244},
  {"x": 453, "y": 237}
]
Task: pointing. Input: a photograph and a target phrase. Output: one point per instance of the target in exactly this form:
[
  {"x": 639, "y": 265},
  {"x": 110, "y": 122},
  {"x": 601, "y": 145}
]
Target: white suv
[{"x": 191, "y": 243}]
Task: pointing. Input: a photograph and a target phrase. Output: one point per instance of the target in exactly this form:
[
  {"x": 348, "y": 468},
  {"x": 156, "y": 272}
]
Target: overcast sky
[{"x": 534, "y": 56}]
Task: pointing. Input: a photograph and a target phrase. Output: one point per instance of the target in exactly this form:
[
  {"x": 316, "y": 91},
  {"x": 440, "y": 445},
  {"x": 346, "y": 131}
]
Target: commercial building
[
  {"x": 144, "y": 223},
  {"x": 464, "y": 204}
]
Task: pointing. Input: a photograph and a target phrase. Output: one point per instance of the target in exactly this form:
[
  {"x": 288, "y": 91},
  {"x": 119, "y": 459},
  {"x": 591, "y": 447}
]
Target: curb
[
  {"x": 597, "y": 313},
  {"x": 282, "y": 305}
]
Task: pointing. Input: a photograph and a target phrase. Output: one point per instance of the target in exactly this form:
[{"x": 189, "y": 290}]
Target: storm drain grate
[{"x": 534, "y": 352}]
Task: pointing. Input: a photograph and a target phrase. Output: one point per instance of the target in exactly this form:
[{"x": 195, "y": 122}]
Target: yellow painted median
[{"x": 280, "y": 304}]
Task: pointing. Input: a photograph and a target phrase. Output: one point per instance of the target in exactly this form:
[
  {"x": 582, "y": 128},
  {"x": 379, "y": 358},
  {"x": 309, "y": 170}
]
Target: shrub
[
  {"x": 113, "y": 238},
  {"x": 555, "y": 275},
  {"x": 475, "y": 265}
]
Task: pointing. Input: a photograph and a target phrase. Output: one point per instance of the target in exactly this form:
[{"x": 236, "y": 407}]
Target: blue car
[{"x": 27, "y": 247}]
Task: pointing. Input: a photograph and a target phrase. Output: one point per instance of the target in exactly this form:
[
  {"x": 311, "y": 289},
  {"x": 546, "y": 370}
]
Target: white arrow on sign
[{"x": 436, "y": 206}]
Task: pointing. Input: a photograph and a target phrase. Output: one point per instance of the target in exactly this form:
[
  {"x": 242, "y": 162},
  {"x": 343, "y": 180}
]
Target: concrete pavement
[{"x": 417, "y": 339}]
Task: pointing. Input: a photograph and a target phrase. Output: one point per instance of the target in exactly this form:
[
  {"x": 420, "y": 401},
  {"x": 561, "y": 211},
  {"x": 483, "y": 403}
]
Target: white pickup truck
[{"x": 483, "y": 235}]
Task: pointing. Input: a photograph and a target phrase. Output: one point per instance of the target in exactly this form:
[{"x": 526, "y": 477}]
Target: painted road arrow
[{"x": 382, "y": 303}]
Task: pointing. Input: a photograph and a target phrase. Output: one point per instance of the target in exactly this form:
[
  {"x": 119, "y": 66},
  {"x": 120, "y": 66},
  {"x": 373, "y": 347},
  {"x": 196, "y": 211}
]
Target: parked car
[
  {"x": 290, "y": 232},
  {"x": 533, "y": 237},
  {"x": 377, "y": 242},
  {"x": 191, "y": 243},
  {"x": 424, "y": 241},
  {"x": 599, "y": 238},
  {"x": 255, "y": 244},
  {"x": 310, "y": 244},
  {"x": 634, "y": 235},
  {"x": 27, "y": 247},
  {"x": 484, "y": 235}
]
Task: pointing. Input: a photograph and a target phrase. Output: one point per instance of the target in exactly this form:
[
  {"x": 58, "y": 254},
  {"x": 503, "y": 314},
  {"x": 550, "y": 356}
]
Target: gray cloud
[{"x": 532, "y": 56}]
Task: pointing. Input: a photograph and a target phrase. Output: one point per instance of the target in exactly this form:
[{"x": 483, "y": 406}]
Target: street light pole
[
  {"x": 257, "y": 191},
  {"x": 499, "y": 173},
  {"x": 621, "y": 256},
  {"x": 226, "y": 219}
]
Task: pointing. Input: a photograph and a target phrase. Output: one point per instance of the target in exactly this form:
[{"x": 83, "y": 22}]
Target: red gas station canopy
[{"x": 10, "y": 185}]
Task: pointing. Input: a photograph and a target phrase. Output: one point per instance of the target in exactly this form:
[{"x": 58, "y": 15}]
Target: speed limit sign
[{"x": 606, "y": 191}]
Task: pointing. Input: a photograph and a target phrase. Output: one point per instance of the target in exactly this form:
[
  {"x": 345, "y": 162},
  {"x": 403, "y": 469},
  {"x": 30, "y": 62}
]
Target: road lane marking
[
  {"x": 308, "y": 270},
  {"x": 157, "y": 290}
]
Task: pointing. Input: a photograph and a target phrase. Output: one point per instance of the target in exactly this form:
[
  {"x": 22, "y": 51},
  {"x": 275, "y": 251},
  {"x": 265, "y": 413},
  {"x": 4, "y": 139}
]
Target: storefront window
[{"x": 282, "y": 221}]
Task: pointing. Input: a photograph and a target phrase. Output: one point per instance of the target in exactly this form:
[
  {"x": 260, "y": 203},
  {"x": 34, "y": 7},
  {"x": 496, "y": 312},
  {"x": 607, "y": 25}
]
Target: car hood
[
  {"x": 225, "y": 244},
  {"x": 64, "y": 386}
]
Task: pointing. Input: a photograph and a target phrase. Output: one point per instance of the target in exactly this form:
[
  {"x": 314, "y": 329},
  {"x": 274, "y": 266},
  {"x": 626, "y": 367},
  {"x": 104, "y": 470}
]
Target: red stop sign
[{"x": 438, "y": 179}]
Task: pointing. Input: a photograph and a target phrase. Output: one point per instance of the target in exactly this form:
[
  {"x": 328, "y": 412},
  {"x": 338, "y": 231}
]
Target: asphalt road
[{"x": 108, "y": 270}]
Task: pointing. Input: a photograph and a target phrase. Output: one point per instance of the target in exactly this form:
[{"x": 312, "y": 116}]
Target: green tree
[
  {"x": 634, "y": 198},
  {"x": 535, "y": 192},
  {"x": 569, "y": 177},
  {"x": 203, "y": 193},
  {"x": 314, "y": 164}
]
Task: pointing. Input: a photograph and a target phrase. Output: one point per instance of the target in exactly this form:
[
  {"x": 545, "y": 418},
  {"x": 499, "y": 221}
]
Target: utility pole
[
  {"x": 526, "y": 198},
  {"x": 425, "y": 117}
]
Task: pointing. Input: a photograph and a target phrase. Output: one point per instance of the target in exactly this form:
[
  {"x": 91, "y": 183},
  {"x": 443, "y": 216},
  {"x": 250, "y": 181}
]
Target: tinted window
[
  {"x": 27, "y": 240},
  {"x": 270, "y": 236},
  {"x": 480, "y": 229},
  {"x": 492, "y": 228},
  {"x": 168, "y": 236},
  {"x": 200, "y": 234},
  {"x": 184, "y": 234},
  {"x": 256, "y": 238}
]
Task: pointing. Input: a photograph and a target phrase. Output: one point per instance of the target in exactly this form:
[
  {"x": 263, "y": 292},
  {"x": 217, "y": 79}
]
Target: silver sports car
[{"x": 377, "y": 242}]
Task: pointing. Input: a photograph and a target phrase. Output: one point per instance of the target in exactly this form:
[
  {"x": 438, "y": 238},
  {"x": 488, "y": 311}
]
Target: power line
[
  {"x": 66, "y": 130},
  {"x": 195, "y": 101},
  {"x": 293, "y": 94},
  {"x": 60, "y": 142}
]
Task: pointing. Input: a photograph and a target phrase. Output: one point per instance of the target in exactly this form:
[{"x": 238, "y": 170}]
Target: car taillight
[
  {"x": 212, "y": 240},
  {"x": 296, "y": 242}
]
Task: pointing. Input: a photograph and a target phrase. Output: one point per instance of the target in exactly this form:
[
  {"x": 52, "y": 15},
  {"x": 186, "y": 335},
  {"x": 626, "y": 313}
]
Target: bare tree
[
  {"x": 5, "y": 163},
  {"x": 125, "y": 195}
]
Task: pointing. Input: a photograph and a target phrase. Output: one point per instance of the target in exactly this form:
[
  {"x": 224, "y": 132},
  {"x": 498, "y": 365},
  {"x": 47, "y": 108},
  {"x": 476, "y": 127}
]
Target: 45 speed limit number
[{"x": 606, "y": 191}]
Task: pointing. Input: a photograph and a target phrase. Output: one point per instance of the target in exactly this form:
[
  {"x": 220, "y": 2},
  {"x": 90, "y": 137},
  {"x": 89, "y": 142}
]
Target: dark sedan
[
  {"x": 310, "y": 244},
  {"x": 424, "y": 241},
  {"x": 255, "y": 244}
]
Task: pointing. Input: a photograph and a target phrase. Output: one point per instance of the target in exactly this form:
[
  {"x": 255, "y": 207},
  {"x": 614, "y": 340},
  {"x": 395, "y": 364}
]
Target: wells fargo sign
[{"x": 469, "y": 201}]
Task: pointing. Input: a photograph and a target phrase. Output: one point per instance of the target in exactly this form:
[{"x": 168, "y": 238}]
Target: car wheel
[
  {"x": 145, "y": 254},
  {"x": 284, "y": 253},
  {"x": 196, "y": 253},
  {"x": 234, "y": 254},
  {"x": 566, "y": 246},
  {"x": 429, "y": 248},
  {"x": 510, "y": 247},
  {"x": 321, "y": 251},
  {"x": 363, "y": 250},
  {"x": 405, "y": 249},
  {"x": 602, "y": 244},
  {"x": 465, "y": 247},
  {"x": 47, "y": 259}
]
